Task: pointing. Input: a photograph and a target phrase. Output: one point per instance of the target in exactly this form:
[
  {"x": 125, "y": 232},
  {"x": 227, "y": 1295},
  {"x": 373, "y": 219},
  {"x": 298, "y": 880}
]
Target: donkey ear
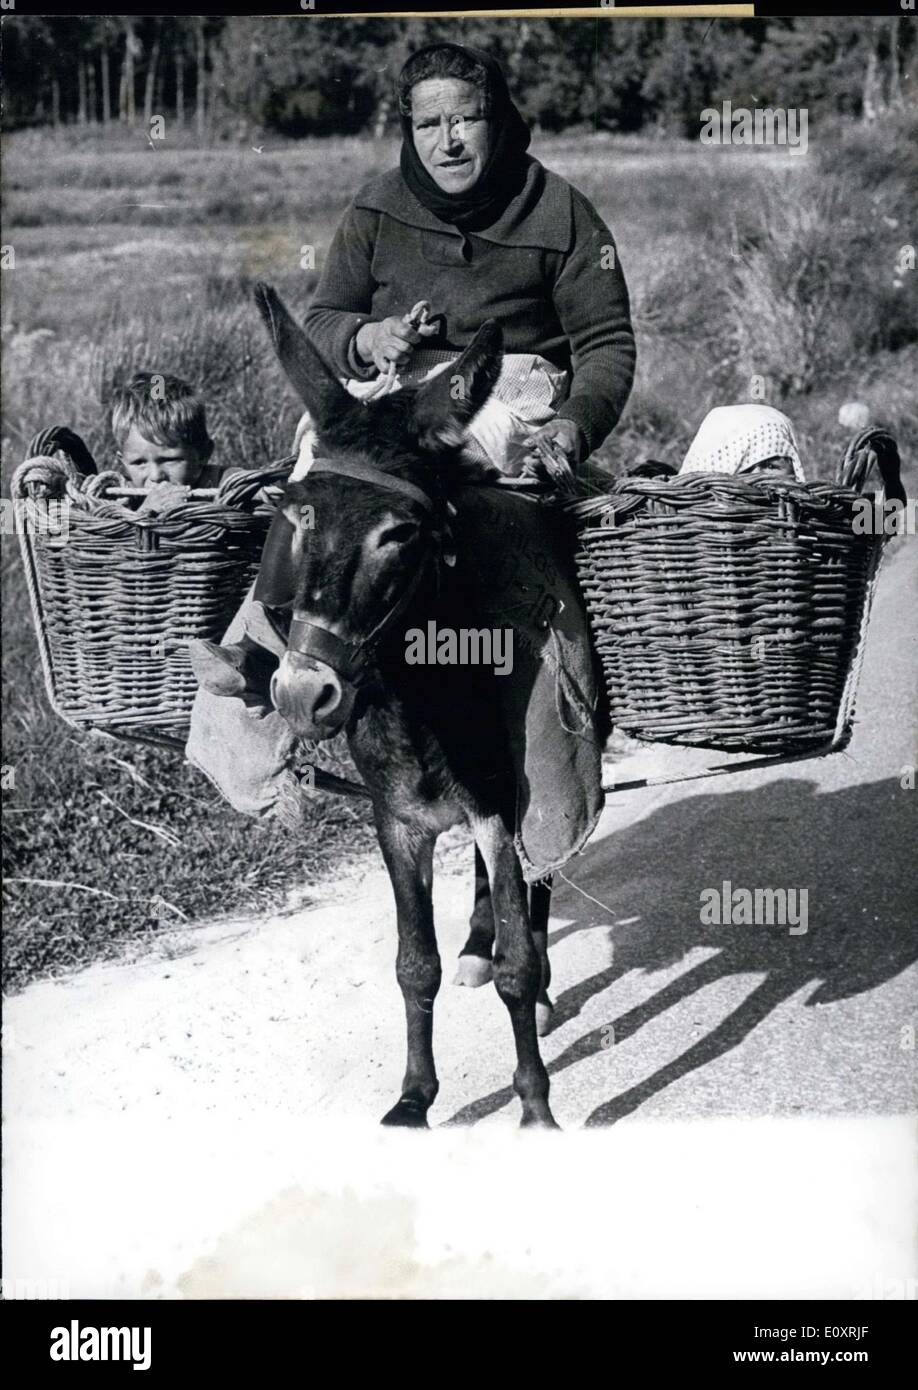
[
  {"x": 451, "y": 400},
  {"x": 317, "y": 387}
]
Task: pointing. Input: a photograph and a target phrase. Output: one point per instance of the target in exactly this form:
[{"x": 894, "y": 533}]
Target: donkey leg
[
  {"x": 539, "y": 910},
  {"x": 517, "y": 967},
  {"x": 409, "y": 859},
  {"x": 474, "y": 967}
]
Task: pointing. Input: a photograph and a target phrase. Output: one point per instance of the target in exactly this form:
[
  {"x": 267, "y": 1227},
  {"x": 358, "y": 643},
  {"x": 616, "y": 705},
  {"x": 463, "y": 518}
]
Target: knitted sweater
[{"x": 546, "y": 270}]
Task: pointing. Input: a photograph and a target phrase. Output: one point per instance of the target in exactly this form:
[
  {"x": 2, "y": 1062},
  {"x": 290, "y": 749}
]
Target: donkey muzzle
[{"x": 311, "y": 696}]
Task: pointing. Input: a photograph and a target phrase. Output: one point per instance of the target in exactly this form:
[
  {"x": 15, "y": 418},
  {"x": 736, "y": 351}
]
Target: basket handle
[
  {"x": 241, "y": 489},
  {"x": 43, "y": 476},
  {"x": 652, "y": 468},
  {"x": 195, "y": 494},
  {"x": 61, "y": 437},
  {"x": 873, "y": 448}
]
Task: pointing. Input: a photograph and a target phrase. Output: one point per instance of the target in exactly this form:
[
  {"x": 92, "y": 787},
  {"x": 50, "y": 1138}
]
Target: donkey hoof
[
  {"x": 544, "y": 1011},
  {"x": 546, "y": 1121},
  {"x": 473, "y": 971},
  {"x": 407, "y": 1114}
]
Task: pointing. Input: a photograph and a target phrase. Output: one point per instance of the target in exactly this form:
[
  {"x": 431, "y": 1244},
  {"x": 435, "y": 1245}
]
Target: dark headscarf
[{"x": 504, "y": 171}]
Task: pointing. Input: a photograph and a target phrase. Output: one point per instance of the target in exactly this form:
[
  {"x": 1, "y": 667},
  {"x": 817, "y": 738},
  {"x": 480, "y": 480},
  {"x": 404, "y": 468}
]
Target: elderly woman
[
  {"x": 468, "y": 228},
  {"x": 477, "y": 228}
]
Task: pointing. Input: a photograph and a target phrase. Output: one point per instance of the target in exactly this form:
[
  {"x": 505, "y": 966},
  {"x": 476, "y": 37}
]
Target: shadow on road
[{"x": 852, "y": 849}]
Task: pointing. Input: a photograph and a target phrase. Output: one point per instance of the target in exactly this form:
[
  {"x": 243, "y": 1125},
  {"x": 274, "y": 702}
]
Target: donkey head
[{"x": 363, "y": 528}]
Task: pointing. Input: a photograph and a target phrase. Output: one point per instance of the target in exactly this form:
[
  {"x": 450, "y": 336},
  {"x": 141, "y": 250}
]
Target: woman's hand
[
  {"x": 563, "y": 433},
  {"x": 556, "y": 448},
  {"x": 392, "y": 341}
]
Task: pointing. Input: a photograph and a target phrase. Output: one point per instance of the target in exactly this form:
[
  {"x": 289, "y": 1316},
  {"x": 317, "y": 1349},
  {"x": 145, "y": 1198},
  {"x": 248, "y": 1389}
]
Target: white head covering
[{"x": 734, "y": 438}]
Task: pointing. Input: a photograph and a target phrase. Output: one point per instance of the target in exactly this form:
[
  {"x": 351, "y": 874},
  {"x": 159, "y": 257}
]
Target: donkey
[{"x": 372, "y": 563}]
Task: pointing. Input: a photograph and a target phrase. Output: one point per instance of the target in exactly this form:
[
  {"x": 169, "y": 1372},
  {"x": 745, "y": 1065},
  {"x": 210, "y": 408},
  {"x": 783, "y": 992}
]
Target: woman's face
[{"x": 451, "y": 133}]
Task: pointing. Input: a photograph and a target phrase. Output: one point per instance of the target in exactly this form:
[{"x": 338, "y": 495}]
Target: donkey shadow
[{"x": 852, "y": 849}]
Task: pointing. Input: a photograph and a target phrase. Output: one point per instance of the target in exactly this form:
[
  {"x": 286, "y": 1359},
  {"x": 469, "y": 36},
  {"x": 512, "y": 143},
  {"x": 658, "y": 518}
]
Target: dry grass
[{"x": 794, "y": 287}]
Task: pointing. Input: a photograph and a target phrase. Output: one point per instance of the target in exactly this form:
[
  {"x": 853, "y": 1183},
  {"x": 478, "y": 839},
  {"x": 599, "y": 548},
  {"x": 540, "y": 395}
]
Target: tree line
[{"x": 225, "y": 76}]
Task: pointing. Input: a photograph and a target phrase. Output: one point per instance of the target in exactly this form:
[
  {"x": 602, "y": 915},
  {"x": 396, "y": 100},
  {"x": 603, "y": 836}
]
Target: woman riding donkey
[
  {"x": 474, "y": 228},
  {"x": 472, "y": 225}
]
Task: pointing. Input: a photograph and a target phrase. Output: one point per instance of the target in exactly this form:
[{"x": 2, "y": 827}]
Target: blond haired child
[{"x": 159, "y": 426}]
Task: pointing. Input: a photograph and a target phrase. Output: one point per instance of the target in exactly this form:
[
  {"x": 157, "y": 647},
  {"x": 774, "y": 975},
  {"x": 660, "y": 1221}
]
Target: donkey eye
[{"x": 401, "y": 534}]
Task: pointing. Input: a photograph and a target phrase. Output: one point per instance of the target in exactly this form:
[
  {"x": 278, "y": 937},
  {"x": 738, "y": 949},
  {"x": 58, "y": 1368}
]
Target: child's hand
[{"x": 162, "y": 497}]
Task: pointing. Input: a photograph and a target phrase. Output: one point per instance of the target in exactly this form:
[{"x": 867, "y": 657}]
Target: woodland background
[{"x": 241, "y": 77}]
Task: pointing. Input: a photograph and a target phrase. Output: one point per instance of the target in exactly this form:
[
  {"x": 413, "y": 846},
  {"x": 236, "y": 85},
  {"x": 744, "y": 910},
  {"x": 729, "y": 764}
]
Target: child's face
[{"x": 145, "y": 463}]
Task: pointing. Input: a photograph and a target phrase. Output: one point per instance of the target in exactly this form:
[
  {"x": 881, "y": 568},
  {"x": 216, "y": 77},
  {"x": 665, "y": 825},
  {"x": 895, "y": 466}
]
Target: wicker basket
[
  {"x": 116, "y": 596},
  {"x": 730, "y": 612}
]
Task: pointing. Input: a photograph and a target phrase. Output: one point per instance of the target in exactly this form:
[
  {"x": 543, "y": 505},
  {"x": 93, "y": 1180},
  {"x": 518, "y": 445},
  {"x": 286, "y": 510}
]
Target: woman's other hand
[
  {"x": 391, "y": 342},
  {"x": 555, "y": 449},
  {"x": 560, "y": 432}
]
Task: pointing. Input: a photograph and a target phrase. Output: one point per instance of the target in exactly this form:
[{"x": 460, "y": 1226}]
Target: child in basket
[
  {"x": 744, "y": 439},
  {"x": 160, "y": 430},
  {"x": 162, "y": 447}
]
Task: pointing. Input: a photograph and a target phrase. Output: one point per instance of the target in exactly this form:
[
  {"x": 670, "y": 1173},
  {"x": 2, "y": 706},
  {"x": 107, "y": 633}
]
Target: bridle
[{"x": 352, "y": 661}]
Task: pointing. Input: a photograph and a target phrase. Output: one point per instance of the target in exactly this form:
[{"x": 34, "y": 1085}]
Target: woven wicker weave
[
  {"x": 116, "y": 595},
  {"x": 729, "y": 612}
]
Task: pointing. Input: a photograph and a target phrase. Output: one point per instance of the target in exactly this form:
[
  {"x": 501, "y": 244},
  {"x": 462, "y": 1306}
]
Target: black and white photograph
[{"x": 460, "y": 734}]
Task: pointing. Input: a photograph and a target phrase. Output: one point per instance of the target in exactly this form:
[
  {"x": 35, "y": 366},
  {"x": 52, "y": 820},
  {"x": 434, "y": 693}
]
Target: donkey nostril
[{"x": 328, "y": 701}]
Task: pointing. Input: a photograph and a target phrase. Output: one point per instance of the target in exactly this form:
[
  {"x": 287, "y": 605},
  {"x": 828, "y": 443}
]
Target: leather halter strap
[
  {"x": 368, "y": 473},
  {"x": 350, "y": 660}
]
